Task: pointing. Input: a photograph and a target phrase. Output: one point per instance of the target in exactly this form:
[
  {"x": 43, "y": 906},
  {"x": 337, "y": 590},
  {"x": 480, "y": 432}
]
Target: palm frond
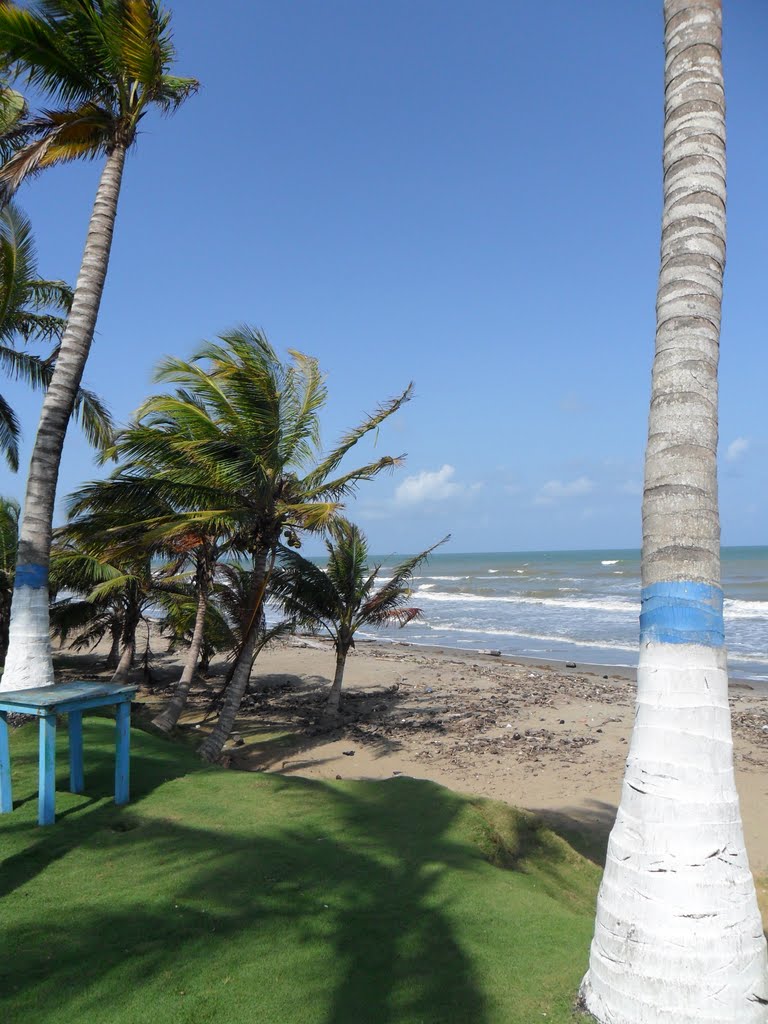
[
  {"x": 79, "y": 571},
  {"x": 393, "y": 616},
  {"x": 332, "y": 460},
  {"x": 90, "y": 411},
  {"x": 344, "y": 485},
  {"x": 10, "y": 431},
  {"x": 13, "y": 107},
  {"x": 51, "y": 295},
  {"x": 94, "y": 418},
  {"x": 46, "y": 57},
  {"x": 10, "y": 514},
  {"x": 391, "y": 594}
]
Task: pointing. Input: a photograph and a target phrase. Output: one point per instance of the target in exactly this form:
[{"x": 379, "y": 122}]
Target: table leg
[
  {"x": 75, "y": 725},
  {"x": 46, "y": 800},
  {"x": 122, "y": 751},
  {"x": 6, "y": 797}
]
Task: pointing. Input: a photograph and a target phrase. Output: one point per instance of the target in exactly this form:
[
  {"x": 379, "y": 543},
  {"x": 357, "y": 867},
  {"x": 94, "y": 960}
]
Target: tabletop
[{"x": 63, "y": 693}]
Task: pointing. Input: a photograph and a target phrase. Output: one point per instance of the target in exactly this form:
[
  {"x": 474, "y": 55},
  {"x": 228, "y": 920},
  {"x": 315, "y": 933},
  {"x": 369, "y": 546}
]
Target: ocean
[{"x": 580, "y": 606}]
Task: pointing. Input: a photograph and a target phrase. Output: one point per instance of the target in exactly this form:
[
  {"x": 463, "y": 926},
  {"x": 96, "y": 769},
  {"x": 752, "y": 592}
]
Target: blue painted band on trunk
[
  {"x": 34, "y": 576},
  {"x": 682, "y": 613}
]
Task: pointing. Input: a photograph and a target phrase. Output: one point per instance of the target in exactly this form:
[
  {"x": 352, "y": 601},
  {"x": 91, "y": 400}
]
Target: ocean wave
[
  {"x": 610, "y": 561},
  {"x": 452, "y": 578},
  {"x": 734, "y": 608},
  {"x": 546, "y": 637},
  {"x": 737, "y": 609},
  {"x": 627, "y": 605}
]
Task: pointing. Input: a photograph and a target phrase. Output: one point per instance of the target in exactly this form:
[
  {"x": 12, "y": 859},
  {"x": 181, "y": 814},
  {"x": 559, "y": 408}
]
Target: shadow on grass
[
  {"x": 586, "y": 828},
  {"x": 220, "y": 896},
  {"x": 44, "y": 845}
]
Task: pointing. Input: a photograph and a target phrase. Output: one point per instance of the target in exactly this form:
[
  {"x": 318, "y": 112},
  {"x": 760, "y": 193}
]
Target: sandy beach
[{"x": 545, "y": 737}]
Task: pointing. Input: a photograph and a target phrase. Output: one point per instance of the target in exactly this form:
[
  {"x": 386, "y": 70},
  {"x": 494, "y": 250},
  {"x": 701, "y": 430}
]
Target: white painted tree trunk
[
  {"x": 678, "y": 936},
  {"x": 28, "y": 662}
]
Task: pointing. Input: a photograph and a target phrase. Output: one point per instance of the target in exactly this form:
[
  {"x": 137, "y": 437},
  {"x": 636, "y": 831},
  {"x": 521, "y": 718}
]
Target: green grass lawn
[{"x": 219, "y": 896}]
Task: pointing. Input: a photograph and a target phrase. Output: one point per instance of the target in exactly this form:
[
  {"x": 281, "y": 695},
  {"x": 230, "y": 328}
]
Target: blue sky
[{"x": 463, "y": 195}]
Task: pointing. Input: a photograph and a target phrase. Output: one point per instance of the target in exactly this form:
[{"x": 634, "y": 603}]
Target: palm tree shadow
[
  {"x": 396, "y": 940},
  {"x": 176, "y": 887}
]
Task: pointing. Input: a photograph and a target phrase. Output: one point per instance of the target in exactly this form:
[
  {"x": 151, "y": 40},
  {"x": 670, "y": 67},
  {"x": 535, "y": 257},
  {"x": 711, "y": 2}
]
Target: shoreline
[{"x": 627, "y": 672}]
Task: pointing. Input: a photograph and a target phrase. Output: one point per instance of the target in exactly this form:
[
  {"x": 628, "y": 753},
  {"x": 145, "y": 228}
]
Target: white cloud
[
  {"x": 736, "y": 449},
  {"x": 554, "y": 490},
  {"x": 436, "y": 485}
]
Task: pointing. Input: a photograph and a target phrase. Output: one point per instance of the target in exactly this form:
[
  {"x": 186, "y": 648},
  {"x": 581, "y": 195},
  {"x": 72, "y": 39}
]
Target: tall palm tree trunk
[
  {"x": 168, "y": 718},
  {"x": 678, "y": 937},
  {"x": 28, "y": 662},
  {"x": 211, "y": 747}
]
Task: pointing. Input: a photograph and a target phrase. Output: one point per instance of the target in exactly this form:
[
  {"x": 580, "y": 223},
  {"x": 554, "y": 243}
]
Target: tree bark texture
[
  {"x": 678, "y": 936},
  {"x": 168, "y": 718},
  {"x": 29, "y": 661},
  {"x": 124, "y": 666},
  {"x": 131, "y": 620},
  {"x": 211, "y": 747},
  {"x": 334, "y": 697}
]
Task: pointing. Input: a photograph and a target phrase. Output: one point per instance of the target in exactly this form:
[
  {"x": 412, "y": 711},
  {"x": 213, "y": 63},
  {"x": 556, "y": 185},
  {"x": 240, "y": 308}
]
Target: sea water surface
[{"x": 580, "y": 606}]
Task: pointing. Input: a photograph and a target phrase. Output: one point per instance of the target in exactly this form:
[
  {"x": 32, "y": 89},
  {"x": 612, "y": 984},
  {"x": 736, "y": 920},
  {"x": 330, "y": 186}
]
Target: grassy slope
[{"x": 229, "y": 897}]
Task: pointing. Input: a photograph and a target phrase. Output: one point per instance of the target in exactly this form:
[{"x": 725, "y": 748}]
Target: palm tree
[
  {"x": 678, "y": 936},
  {"x": 102, "y": 64},
  {"x": 9, "y": 540},
  {"x": 109, "y": 593},
  {"x": 29, "y": 311},
  {"x": 345, "y": 596},
  {"x": 235, "y": 451}
]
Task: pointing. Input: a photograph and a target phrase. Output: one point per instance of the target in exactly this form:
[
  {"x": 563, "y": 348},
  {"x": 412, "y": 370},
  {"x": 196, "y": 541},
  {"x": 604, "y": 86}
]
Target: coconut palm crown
[
  {"x": 345, "y": 595},
  {"x": 103, "y": 63}
]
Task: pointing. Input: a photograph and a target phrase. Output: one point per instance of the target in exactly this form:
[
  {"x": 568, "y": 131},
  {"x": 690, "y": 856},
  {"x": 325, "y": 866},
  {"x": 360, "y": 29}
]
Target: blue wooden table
[{"x": 71, "y": 699}]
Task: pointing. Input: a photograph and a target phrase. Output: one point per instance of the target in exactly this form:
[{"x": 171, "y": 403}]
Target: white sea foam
[
  {"x": 494, "y": 570},
  {"x": 617, "y": 605},
  {"x": 735, "y": 609},
  {"x": 611, "y": 561}
]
